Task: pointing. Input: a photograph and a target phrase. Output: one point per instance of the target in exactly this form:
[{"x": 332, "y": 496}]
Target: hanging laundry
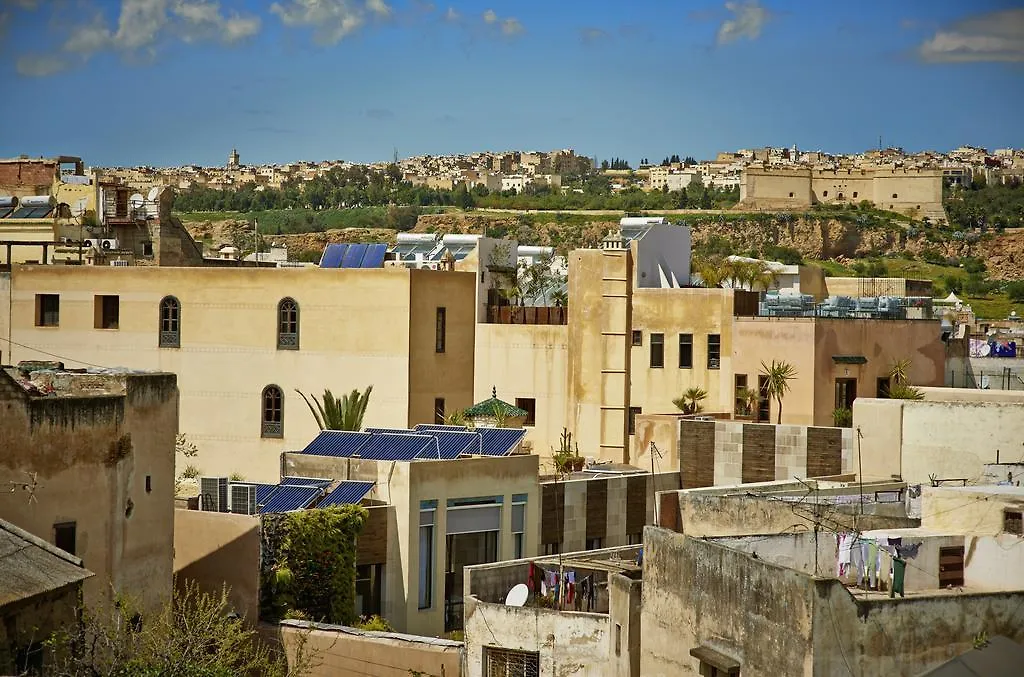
[
  {"x": 862, "y": 570},
  {"x": 873, "y": 565},
  {"x": 532, "y": 571},
  {"x": 844, "y": 557},
  {"x": 908, "y": 550},
  {"x": 899, "y": 568}
]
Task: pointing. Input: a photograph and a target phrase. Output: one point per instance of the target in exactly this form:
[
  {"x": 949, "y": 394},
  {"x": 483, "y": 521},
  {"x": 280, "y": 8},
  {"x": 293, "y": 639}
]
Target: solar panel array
[
  {"x": 287, "y": 497},
  {"x": 347, "y": 492},
  {"x": 353, "y": 255},
  {"x": 31, "y": 213},
  {"x": 426, "y": 442}
]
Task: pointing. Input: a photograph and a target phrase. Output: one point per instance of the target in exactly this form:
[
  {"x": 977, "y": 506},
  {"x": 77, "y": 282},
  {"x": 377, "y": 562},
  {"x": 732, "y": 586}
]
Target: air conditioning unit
[
  {"x": 95, "y": 244},
  {"x": 108, "y": 244},
  {"x": 243, "y": 499},
  {"x": 213, "y": 494}
]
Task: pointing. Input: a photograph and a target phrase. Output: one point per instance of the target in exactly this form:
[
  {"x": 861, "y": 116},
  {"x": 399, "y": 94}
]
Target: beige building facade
[
  {"x": 447, "y": 515},
  {"x": 243, "y": 341}
]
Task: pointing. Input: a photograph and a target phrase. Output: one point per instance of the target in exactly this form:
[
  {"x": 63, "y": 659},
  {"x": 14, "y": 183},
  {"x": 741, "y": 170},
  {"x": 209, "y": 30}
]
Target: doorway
[{"x": 846, "y": 393}]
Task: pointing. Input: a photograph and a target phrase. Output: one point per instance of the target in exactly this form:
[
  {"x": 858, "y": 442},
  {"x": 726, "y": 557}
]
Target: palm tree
[
  {"x": 690, "y": 401},
  {"x": 332, "y": 413},
  {"x": 778, "y": 375},
  {"x": 713, "y": 271},
  {"x": 901, "y": 389},
  {"x": 748, "y": 399}
]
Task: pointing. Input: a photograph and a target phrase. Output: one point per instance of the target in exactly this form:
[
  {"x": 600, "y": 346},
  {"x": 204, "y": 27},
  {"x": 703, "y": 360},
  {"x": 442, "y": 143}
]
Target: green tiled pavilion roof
[{"x": 491, "y": 405}]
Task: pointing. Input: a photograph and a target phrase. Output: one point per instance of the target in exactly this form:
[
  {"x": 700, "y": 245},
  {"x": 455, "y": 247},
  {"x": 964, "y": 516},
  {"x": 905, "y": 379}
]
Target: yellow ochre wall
[{"x": 356, "y": 328}]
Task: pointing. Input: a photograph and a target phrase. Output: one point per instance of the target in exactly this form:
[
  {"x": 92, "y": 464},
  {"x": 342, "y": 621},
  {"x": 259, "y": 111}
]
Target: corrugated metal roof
[
  {"x": 31, "y": 566},
  {"x": 347, "y": 492}
]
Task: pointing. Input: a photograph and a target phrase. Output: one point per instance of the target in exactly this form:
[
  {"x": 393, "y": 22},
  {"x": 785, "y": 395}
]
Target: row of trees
[{"x": 985, "y": 206}]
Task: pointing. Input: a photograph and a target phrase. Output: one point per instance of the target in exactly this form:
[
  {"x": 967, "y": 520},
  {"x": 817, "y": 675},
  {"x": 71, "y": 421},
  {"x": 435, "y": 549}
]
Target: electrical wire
[{"x": 59, "y": 357}]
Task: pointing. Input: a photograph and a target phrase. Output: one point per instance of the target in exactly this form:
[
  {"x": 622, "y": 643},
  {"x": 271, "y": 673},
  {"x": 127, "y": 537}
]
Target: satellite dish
[
  {"x": 986, "y": 350},
  {"x": 153, "y": 194},
  {"x": 518, "y": 595},
  {"x": 136, "y": 201}
]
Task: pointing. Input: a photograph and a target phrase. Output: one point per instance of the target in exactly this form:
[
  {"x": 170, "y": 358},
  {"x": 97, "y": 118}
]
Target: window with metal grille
[
  {"x": 439, "y": 411},
  {"x": 510, "y": 663},
  {"x": 287, "y": 324},
  {"x": 272, "y": 412},
  {"x": 1013, "y": 522},
  {"x": 714, "y": 351},
  {"x": 633, "y": 412},
  {"x": 170, "y": 322},
  {"x": 638, "y": 337},
  {"x": 440, "y": 330}
]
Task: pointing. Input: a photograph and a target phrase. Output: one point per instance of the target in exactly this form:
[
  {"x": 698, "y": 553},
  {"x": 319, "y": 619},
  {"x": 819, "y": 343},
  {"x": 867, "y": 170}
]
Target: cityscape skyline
[{"x": 456, "y": 78}]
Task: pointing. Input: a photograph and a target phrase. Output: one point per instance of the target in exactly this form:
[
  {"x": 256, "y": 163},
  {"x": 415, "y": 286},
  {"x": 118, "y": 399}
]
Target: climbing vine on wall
[{"x": 309, "y": 564}]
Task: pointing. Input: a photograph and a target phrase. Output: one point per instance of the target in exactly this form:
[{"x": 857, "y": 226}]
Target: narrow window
[
  {"x": 855, "y": 193},
  {"x": 824, "y": 193},
  {"x": 657, "y": 351},
  {"x": 895, "y": 196},
  {"x": 47, "y": 310},
  {"x": 552, "y": 548},
  {"x": 518, "y": 527},
  {"x": 64, "y": 536},
  {"x": 714, "y": 351},
  {"x": 170, "y": 323},
  {"x": 1013, "y": 522},
  {"x": 594, "y": 543},
  {"x": 528, "y": 404},
  {"x": 439, "y": 410},
  {"x": 740, "y": 390},
  {"x": 618, "y": 639},
  {"x": 686, "y": 351},
  {"x": 287, "y": 324},
  {"x": 635, "y": 538},
  {"x": 272, "y": 412},
  {"x": 426, "y": 567},
  {"x": 638, "y": 337},
  {"x": 147, "y": 248},
  {"x": 106, "y": 312},
  {"x": 149, "y": 483},
  {"x": 633, "y": 412},
  {"x": 440, "y": 330},
  {"x": 791, "y": 194},
  {"x": 882, "y": 389}
]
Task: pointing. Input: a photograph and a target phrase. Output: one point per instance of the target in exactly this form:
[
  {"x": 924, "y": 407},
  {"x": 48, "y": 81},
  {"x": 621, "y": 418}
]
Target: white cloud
[
  {"x": 331, "y": 20},
  {"x": 452, "y": 15},
  {"x": 511, "y": 27},
  {"x": 748, "y": 18},
  {"x": 89, "y": 38},
  {"x": 39, "y": 66},
  {"x": 995, "y": 36},
  {"x": 490, "y": 16},
  {"x": 237, "y": 27},
  {"x": 379, "y": 7}
]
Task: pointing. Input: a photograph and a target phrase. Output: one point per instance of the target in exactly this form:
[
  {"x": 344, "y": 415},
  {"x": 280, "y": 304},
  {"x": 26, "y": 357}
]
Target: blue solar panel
[
  {"x": 347, "y": 492},
  {"x": 397, "y": 447},
  {"x": 431, "y": 427},
  {"x": 5, "y": 211},
  {"x": 263, "y": 492},
  {"x": 374, "y": 257},
  {"x": 337, "y": 443},
  {"x": 307, "y": 481},
  {"x": 453, "y": 444},
  {"x": 287, "y": 498},
  {"x": 500, "y": 441},
  {"x": 31, "y": 212},
  {"x": 354, "y": 256},
  {"x": 397, "y": 431},
  {"x": 332, "y": 255}
]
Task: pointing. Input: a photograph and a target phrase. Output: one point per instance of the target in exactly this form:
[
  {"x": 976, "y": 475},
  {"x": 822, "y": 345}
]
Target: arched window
[
  {"x": 287, "y": 324},
  {"x": 272, "y": 412},
  {"x": 170, "y": 322}
]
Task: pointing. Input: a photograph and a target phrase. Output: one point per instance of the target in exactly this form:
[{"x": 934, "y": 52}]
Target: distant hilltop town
[{"x": 515, "y": 170}]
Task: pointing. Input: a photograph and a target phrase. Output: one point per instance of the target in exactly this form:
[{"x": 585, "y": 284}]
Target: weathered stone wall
[{"x": 699, "y": 593}]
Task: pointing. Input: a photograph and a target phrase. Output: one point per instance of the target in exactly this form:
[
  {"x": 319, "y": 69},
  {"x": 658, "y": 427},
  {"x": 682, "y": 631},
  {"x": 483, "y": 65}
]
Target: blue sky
[{"x": 167, "y": 82}]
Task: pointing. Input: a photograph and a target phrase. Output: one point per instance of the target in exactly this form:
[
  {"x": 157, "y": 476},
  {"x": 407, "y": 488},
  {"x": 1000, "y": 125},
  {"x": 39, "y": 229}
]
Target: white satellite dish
[
  {"x": 153, "y": 194},
  {"x": 986, "y": 350},
  {"x": 518, "y": 595},
  {"x": 136, "y": 201}
]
